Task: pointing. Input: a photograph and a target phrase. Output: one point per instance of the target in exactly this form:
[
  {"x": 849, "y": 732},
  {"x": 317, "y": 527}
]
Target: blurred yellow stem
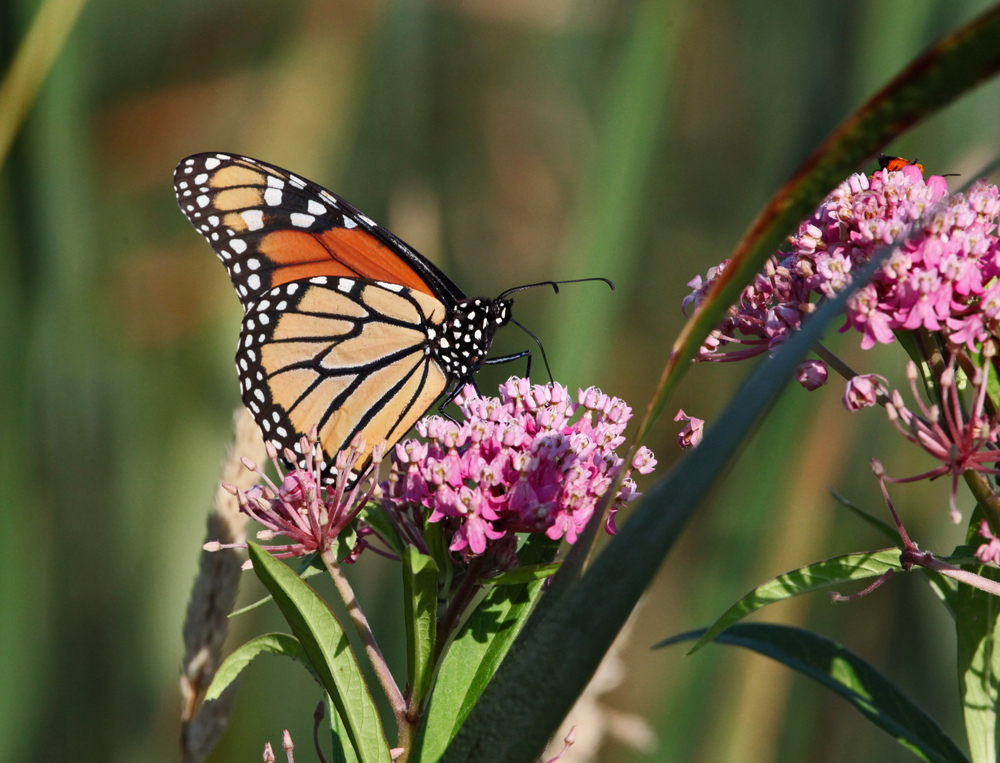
[{"x": 32, "y": 63}]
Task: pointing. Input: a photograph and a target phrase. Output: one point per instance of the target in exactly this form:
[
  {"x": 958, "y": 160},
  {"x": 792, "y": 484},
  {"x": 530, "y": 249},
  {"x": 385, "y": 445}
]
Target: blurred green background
[{"x": 510, "y": 141}]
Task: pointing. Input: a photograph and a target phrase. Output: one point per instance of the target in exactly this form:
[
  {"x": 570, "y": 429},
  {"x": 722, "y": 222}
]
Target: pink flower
[
  {"x": 862, "y": 391},
  {"x": 530, "y": 461},
  {"x": 934, "y": 280},
  {"x": 302, "y": 510},
  {"x": 691, "y": 434},
  {"x": 956, "y": 442},
  {"x": 811, "y": 374},
  {"x": 988, "y": 552}
]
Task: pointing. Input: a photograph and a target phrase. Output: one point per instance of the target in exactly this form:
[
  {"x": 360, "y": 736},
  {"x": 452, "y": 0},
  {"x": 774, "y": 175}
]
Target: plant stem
[
  {"x": 988, "y": 500},
  {"x": 385, "y": 678},
  {"x": 466, "y": 591}
]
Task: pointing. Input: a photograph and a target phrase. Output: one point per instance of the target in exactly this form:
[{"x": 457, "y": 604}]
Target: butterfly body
[{"x": 345, "y": 328}]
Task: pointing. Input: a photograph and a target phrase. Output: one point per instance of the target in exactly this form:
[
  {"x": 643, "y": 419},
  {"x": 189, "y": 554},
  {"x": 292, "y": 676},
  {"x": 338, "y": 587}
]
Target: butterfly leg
[
  {"x": 509, "y": 358},
  {"x": 451, "y": 396}
]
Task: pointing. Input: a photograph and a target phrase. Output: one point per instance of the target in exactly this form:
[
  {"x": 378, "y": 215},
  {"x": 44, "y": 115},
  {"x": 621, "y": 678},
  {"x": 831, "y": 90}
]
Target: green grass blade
[
  {"x": 420, "y": 577},
  {"x": 269, "y": 643},
  {"x": 604, "y": 239},
  {"x": 32, "y": 63},
  {"x": 839, "y": 669},
  {"x": 953, "y": 66},
  {"x": 812, "y": 577},
  {"x": 327, "y": 648},
  {"x": 524, "y": 574}
]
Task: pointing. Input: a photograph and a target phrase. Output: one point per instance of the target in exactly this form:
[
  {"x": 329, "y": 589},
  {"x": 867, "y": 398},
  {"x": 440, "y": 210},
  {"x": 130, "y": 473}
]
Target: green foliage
[
  {"x": 324, "y": 642},
  {"x": 269, "y": 643},
  {"x": 977, "y": 625},
  {"x": 812, "y": 577},
  {"x": 839, "y": 669},
  {"x": 420, "y": 598},
  {"x": 477, "y": 651}
]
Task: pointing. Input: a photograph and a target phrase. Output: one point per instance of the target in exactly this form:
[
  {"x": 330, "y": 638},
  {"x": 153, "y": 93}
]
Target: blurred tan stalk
[
  {"x": 596, "y": 721},
  {"x": 32, "y": 63},
  {"x": 212, "y": 599}
]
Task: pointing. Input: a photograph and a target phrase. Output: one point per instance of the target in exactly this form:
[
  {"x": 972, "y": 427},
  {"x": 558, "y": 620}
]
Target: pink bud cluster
[
  {"x": 935, "y": 279},
  {"x": 519, "y": 463},
  {"x": 306, "y": 513}
]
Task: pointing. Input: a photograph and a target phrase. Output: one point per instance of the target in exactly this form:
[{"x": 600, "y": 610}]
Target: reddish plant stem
[{"x": 364, "y": 630}]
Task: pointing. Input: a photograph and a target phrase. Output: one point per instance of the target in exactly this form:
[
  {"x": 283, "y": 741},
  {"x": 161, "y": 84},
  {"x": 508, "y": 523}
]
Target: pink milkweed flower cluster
[
  {"x": 958, "y": 443},
  {"x": 301, "y": 509},
  {"x": 519, "y": 463},
  {"x": 938, "y": 278}
]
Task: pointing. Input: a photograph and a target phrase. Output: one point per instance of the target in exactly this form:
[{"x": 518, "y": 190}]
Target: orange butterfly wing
[{"x": 270, "y": 227}]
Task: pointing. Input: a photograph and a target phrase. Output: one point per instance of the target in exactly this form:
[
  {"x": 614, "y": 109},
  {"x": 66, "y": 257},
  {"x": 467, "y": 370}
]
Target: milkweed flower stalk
[
  {"x": 532, "y": 460},
  {"x": 300, "y": 508},
  {"x": 939, "y": 282}
]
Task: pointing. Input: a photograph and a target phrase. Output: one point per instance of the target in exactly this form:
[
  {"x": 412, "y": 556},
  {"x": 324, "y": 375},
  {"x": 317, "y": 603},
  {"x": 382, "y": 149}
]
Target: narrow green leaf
[
  {"x": 341, "y": 752},
  {"x": 885, "y": 528},
  {"x": 374, "y": 515},
  {"x": 420, "y": 577},
  {"x": 269, "y": 643},
  {"x": 840, "y": 569},
  {"x": 477, "y": 651},
  {"x": 524, "y": 574},
  {"x": 854, "y": 679},
  {"x": 327, "y": 647},
  {"x": 977, "y": 624},
  {"x": 311, "y": 565}
]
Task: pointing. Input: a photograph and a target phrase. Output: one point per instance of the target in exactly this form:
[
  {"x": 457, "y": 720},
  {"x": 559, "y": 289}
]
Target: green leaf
[
  {"x": 420, "y": 576},
  {"x": 477, "y": 651},
  {"x": 311, "y": 565},
  {"x": 976, "y": 623},
  {"x": 327, "y": 648},
  {"x": 341, "y": 752},
  {"x": 840, "y": 569},
  {"x": 839, "y": 669},
  {"x": 269, "y": 643},
  {"x": 883, "y": 527},
  {"x": 375, "y": 517},
  {"x": 524, "y": 574}
]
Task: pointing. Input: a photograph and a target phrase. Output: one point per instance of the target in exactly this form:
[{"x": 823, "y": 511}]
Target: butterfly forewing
[
  {"x": 270, "y": 227},
  {"x": 308, "y": 347}
]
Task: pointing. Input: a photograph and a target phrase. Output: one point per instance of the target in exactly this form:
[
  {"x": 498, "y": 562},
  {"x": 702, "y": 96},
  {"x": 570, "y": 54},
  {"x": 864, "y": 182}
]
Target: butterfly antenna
[
  {"x": 545, "y": 360},
  {"x": 555, "y": 285}
]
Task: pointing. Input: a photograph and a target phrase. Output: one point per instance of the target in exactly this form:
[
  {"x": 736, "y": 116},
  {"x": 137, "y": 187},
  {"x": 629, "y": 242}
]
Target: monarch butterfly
[{"x": 345, "y": 327}]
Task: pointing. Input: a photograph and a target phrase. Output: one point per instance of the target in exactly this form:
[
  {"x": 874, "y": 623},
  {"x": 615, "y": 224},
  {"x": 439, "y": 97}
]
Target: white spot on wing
[
  {"x": 345, "y": 284},
  {"x": 254, "y": 218},
  {"x": 254, "y": 281},
  {"x": 390, "y": 286},
  {"x": 318, "y": 279},
  {"x": 253, "y": 263},
  {"x": 272, "y": 196},
  {"x": 315, "y": 208},
  {"x": 239, "y": 246},
  {"x": 211, "y": 164},
  {"x": 300, "y": 220},
  {"x": 202, "y": 200},
  {"x": 274, "y": 182},
  {"x": 349, "y": 223},
  {"x": 201, "y": 179}
]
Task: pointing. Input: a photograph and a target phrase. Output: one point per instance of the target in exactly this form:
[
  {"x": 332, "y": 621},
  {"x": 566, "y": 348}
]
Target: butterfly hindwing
[
  {"x": 270, "y": 227},
  {"x": 344, "y": 354}
]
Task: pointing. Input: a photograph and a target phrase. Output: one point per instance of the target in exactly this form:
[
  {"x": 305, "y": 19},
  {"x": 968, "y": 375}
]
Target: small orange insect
[{"x": 894, "y": 163}]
